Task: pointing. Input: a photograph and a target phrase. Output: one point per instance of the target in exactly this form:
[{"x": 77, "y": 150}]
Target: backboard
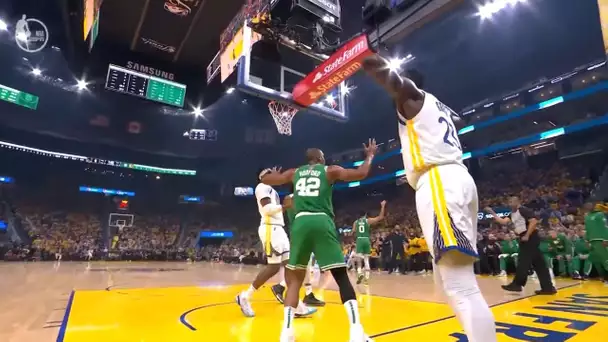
[
  {"x": 271, "y": 71},
  {"x": 120, "y": 220},
  {"x": 255, "y": 65}
]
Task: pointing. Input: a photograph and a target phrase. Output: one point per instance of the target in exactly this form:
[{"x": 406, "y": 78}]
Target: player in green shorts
[
  {"x": 562, "y": 251},
  {"x": 278, "y": 290},
  {"x": 597, "y": 234},
  {"x": 509, "y": 248},
  {"x": 581, "y": 255},
  {"x": 314, "y": 231},
  {"x": 363, "y": 243}
]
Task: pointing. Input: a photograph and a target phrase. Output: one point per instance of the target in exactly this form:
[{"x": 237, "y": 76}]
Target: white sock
[
  {"x": 358, "y": 270},
  {"x": 308, "y": 288},
  {"x": 352, "y": 310},
  {"x": 465, "y": 298},
  {"x": 366, "y": 274},
  {"x": 288, "y": 316},
  {"x": 247, "y": 293}
]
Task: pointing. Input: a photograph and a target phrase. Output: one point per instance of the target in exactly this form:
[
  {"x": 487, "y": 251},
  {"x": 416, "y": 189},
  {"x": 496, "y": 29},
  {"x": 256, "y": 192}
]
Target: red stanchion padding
[{"x": 340, "y": 66}]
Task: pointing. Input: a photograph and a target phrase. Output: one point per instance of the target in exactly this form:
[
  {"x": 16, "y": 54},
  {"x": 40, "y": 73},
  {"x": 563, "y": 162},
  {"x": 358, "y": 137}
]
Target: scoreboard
[
  {"x": 153, "y": 88},
  {"x": 18, "y": 97}
]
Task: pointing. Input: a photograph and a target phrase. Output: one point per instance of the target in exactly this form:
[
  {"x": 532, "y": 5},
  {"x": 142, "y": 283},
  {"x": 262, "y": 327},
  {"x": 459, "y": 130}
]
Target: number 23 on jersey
[{"x": 450, "y": 136}]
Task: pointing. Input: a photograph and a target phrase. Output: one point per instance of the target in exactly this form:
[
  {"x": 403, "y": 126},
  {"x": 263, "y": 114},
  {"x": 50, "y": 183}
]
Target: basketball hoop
[
  {"x": 282, "y": 114},
  {"x": 121, "y": 225}
]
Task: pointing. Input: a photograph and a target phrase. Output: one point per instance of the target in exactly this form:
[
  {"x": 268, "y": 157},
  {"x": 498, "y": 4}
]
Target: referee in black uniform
[{"x": 523, "y": 221}]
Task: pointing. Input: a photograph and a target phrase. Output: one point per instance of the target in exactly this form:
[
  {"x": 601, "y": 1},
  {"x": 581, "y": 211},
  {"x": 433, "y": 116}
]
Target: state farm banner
[
  {"x": 343, "y": 64},
  {"x": 166, "y": 25},
  {"x": 603, "y": 9}
]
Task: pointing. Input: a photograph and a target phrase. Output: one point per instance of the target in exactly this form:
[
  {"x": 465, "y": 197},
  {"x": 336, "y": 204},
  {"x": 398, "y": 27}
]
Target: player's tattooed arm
[
  {"x": 380, "y": 217},
  {"x": 276, "y": 177},
  {"x": 400, "y": 89},
  {"x": 338, "y": 173}
]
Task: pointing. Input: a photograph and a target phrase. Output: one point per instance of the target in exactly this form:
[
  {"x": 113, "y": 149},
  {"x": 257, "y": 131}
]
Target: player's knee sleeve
[
  {"x": 347, "y": 292},
  {"x": 457, "y": 275},
  {"x": 366, "y": 263},
  {"x": 472, "y": 310}
]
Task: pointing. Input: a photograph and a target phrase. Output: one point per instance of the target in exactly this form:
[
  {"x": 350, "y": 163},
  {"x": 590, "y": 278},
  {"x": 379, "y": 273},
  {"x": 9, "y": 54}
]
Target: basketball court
[{"x": 172, "y": 301}]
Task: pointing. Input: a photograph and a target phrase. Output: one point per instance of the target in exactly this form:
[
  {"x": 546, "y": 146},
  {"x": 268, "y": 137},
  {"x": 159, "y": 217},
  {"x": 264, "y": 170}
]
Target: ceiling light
[
  {"x": 330, "y": 99},
  {"x": 394, "y": 64},
  {"x": 230, "y": 90},
  {"x": 82, "y": 85},
  {"x": 36, "y": 72},
  {"x": 197, "y": 111},
  {"x": 344, "y": 89},
  {"x": 3, "y": 25},
  {"x": 489, "y": 9}
]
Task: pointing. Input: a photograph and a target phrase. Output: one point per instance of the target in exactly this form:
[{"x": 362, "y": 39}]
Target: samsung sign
[{"x": 150, "y": 70}]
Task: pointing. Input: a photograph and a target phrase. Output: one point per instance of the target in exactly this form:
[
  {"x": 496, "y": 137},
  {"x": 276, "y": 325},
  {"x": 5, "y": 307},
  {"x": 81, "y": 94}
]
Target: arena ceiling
[
  {"x": 178, "y": 31},
  {"x": 464, "y": 58}
]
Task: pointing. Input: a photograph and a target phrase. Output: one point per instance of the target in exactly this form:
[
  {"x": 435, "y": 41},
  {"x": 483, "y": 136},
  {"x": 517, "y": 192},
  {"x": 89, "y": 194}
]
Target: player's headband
[{"x": 263, "y": 173}]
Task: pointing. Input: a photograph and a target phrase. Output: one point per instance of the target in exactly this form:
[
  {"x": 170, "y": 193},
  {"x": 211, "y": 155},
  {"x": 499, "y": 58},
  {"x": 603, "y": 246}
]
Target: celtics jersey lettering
[
  {"x": 312, "y": 190},
  {"x": 362, "y": 228}
]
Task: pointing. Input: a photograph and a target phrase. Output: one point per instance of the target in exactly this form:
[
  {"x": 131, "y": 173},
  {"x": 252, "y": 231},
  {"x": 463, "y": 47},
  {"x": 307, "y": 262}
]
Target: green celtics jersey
[
  {"x": 595, "y": 226},
  {"x": 545, "y": 245},
  {"x": 312, "y": 190},
  {"x": 509, "y": 247},
  {"x": 581, "y": 246},
  {"x": 561, "y": 244},
  {"x": 362, "y": 228}
]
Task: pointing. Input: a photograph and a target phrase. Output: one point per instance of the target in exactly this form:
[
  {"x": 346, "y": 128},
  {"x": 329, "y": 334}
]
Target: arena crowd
[{"x": 556, "y": 193}]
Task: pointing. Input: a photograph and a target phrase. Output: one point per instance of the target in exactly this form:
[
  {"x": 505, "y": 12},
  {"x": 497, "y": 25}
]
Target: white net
[{"x": 282, "y": 114}]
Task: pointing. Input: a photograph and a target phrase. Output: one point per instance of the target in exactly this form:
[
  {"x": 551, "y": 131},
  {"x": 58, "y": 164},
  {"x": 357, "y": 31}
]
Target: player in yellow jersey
[{"x": 446, "y": 194}]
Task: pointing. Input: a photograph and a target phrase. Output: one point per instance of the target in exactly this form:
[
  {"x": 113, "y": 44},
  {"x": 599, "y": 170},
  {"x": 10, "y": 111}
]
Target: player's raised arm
[
  {"x": 380, "y": 217},
  {"x": 501, "y": 220},
  {"x": 400, "y": 89},
  {"x": 336, "y": 173},
  {"x": 275, "y": 177}
]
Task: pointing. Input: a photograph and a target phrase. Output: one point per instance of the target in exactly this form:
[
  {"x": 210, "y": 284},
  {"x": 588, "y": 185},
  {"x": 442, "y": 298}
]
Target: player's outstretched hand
[
  {"x": 287, "y": 202},
  {"x": 370, "y": 148},
  {"x": 275, "y": 170},
  {"x": 373, "y": 63},
  {"x": 383, "y": 203},
  {"x": 488, "y": 210}
]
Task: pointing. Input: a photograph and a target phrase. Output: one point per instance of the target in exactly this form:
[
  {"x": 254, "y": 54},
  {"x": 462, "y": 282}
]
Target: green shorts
[
  {"x": 363, "y": 246},
  {"x": 314, "y": 233}
]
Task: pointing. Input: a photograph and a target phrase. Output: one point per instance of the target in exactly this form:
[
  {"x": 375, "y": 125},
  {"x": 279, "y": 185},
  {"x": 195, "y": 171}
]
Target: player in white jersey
[
  {"x": 446, "y": 194},
  {"x": 275, "y": 243}
]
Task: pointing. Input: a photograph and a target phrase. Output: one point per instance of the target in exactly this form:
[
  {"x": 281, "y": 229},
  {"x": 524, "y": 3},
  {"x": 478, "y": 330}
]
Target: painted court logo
[{"x": 337, "y": 68}]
